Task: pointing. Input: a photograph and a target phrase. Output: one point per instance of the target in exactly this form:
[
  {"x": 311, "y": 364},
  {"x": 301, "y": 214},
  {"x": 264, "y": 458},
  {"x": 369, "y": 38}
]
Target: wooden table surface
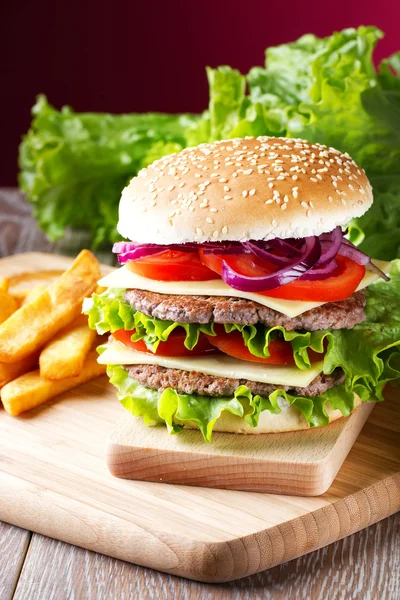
[{"x": 364, "y": 566}]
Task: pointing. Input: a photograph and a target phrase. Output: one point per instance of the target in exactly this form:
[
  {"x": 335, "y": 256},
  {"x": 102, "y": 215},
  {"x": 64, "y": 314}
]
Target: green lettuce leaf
[
  {"x": 73, "y": 166},
  {"x": 324, "y": 90}
]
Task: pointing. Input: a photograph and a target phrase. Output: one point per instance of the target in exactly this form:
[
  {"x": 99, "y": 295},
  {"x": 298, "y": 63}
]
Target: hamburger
[{"x": 241, "y": 305}]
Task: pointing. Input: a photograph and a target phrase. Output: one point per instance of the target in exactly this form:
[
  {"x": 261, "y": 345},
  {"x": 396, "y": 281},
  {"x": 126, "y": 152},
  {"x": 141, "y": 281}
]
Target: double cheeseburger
[{"x": 241, "y": 306}]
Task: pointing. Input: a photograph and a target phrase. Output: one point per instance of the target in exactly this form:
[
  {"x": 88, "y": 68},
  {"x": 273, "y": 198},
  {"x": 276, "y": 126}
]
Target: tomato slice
[
  {"x": 281, "y": 352},
  {"x": 339, "y": 286},
  {"x": 174, "y": 346},
  {"x": 172, "y": 265}
]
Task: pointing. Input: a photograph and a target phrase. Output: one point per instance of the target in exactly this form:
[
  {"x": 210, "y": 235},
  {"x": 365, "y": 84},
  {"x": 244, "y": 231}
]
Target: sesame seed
[
  {"x": 274, "y": 223},
  {"x": 244, "y": 193},
  {"x": 223, "y": 180},
  {"x": 213, "y": 210},
  {"x": 215, "y": 234},
  {"x": 199, "y": 231},
  {"x": 330, "y": 198},
  {"x": 309, "y": 213},
  {"x": 224, "y": 229},
  {"x": 285, "y": 198},
  {"x": 314, "y": 179},
  {"x": 182, "y": 183},
  {"x": 270, "y": 201},
  {"x": 227, "y": 197},
  {"x": 247, "y": 171},
  {"x": 154, "y": 196},
  {"x": 252, "y": 192},
  {"x": 304, "y": 204},
  {"x": 283, "y": 207},
  {"x": 226, "y": 188},
  {"x": 209, "y": 220},
  {"x": 197, "y": 175},
  {"x": 295, "y": 177},
  {"x": 234, "y": 174},
  {"x": 271, "y": 185},
  {"x": 172, "y": 213}
]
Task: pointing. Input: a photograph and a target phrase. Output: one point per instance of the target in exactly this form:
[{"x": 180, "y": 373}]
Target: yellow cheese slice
[
  {"x": 219, "y": 365},
  {"x": 124, "y": 278}
]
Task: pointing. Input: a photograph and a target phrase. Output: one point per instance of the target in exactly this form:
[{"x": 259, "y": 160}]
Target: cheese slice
[
  {"x": 219, "y": 365},
  {"x": 124, "y": 278}
]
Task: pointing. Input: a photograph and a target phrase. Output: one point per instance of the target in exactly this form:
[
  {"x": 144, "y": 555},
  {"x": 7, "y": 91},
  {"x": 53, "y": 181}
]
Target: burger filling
[{"x": 166, "y": 354}]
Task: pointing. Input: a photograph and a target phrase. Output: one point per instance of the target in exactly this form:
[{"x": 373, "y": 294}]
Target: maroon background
[{"x": 123, "y": 56}]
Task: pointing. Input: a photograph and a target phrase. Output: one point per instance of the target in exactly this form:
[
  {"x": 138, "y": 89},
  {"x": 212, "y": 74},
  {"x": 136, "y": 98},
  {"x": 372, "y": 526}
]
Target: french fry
[
  {"x": 33, "y": 293},
  {"x": 34, "y": 324},
  {"x": 65, "y": 354},
  {"x": 4, "y": 283},
  {"x": 8, "y": 305},
  {"x": 14, "y": 370},
  {"x": 31, "y": 390}
]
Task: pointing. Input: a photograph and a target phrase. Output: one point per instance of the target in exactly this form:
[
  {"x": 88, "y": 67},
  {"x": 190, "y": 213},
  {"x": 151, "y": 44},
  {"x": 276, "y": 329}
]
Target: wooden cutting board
[
  {"x": 302, "y": 463},
  {"x": 54, "y": 480}
]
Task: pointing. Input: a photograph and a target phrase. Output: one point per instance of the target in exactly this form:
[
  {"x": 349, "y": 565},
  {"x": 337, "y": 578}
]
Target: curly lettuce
[
  {"x": 324, "y": 90},
  {"x": 73, "y": 166}
]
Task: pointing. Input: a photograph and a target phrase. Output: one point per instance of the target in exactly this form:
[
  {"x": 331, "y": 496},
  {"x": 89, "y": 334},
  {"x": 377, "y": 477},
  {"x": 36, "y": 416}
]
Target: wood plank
[
  {"x": 364, "y": 565},
  {"x": 14, "y": 544},
  {"x": 300, "y": 463},
  {"x": 61, "y": 487}
]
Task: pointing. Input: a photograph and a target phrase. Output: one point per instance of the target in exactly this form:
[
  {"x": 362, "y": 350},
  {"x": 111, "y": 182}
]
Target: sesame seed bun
[
  {"x": 243, "y": 189},
  {"x": 290, "y": 419}
]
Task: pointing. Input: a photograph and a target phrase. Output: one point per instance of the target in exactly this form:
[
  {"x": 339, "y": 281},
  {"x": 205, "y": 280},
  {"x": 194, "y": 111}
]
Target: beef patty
[
  {"x": 221, "y": 309},
  {"x": 192, "y": 382}
]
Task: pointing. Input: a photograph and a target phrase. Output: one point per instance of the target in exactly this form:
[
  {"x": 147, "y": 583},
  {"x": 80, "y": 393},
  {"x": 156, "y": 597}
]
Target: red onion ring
[{"x": 290, "y": 273}]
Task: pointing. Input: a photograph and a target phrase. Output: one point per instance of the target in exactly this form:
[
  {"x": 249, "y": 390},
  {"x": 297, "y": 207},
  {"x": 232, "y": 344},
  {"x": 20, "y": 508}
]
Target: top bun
[{"x": 243, "y": 189}]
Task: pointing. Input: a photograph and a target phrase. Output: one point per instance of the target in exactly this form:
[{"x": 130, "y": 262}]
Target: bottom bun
[{"x": 290, "y": 419}]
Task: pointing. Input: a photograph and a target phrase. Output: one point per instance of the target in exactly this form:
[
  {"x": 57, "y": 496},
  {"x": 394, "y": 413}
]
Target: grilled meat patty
[
  {"x": 221, "y": 309},
  {"x": 192, "y": 382}
]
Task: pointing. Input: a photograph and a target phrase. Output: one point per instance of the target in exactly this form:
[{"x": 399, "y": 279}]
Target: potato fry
[
  {"x": 21, "y": 284},
  {"x": 31, "y": 390},
  {"x": 65, "y": 354},
  {"x": 33, "y": 293},
  {"x": 14, "y": 370},
  {"x": 34, "y": 324},
  {"x": 4, "y": 283},
  {"x": 8, "y": 305}
]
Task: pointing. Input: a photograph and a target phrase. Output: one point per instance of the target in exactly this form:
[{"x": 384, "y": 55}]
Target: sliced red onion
[
  {"x": 226, "y": 248},
  {"x": 302, "y": 264},
  {"x": 288, "y": 246},
  {"x": 316, "y": 274},
  {"x": 372, "y": 267},
  {"x": 139, "y": 252},
  {"x": 330, "y": 247},
  {"x": 262, "y": 253}
]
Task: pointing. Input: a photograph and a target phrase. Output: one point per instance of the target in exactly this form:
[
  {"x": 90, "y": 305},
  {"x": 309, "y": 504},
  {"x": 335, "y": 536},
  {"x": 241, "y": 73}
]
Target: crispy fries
[
  {"x": 33, "y": 293},
  {"x": 34, "y": 324},
  {"x": 8, "y": 305},
  {"x": 65, "y": 354},
  {"x": 4, "y": 283},
  {"x": 31, "y": 390},
  {"x": 14, "y": 370}
]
